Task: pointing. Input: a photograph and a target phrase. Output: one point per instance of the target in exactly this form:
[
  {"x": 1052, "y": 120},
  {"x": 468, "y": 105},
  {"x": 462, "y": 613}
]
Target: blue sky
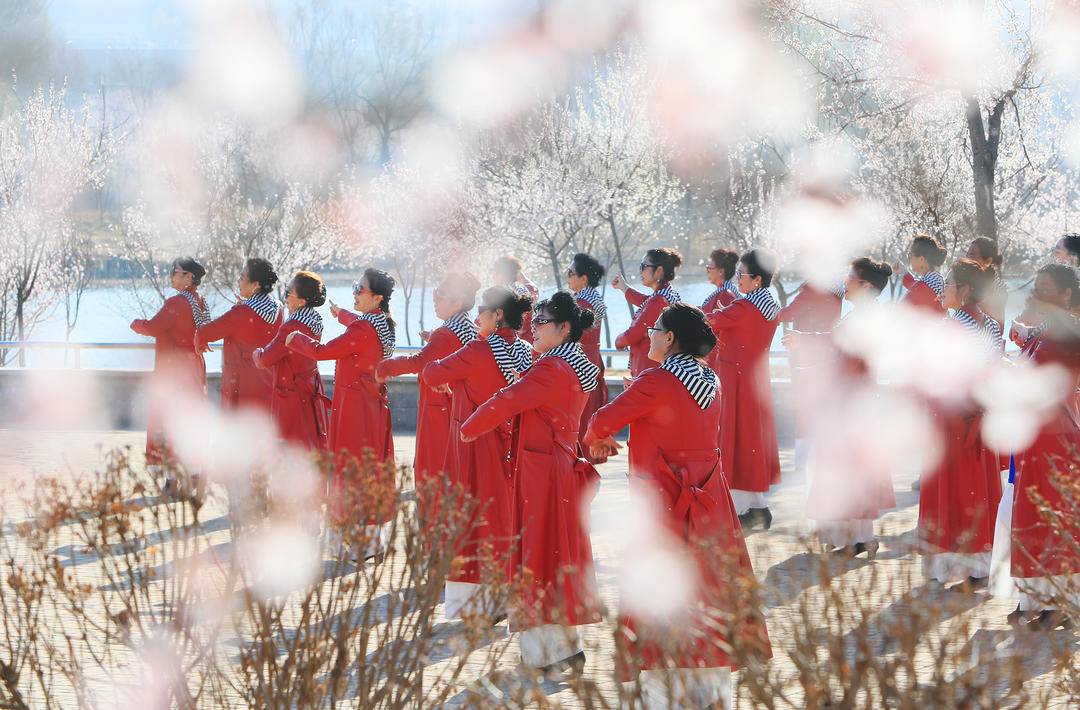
[{"x": 166, "y": 23}]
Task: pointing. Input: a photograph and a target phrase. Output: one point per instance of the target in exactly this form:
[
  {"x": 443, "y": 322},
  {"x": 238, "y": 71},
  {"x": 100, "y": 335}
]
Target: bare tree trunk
[
  {"x": 423, "y": 294},
  {"x": 618, "y": 252},
  {"x": 555, "y": 269},
  {"x": 985, "y": 140}
]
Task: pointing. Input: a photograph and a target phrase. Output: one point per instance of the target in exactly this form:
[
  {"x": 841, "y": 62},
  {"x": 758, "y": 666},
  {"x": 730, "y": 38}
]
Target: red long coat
[
  {"x": 299, "y": 407},
  {"x": 552, "y": 491},
  {"x": 433, "y": 411},
  {"x": 590, "y": 343},
  {"x": 748, "y": 444},
  {"x": 636, "y": 337},
  {"x": 1036, "y": 550},
  {"x": 480, "y": 467},
  {"x": 242, "y": 330},
  {"x": 720, "y": 298},
  {"x": 958, "y": 500},
  {"x": 811, "y": 311},
  {"x": 360, "y": 423},
  {"x": 178, "y": 366},
  {"x": 673, "y": 457},
  {"x": 921, "y": 295}
]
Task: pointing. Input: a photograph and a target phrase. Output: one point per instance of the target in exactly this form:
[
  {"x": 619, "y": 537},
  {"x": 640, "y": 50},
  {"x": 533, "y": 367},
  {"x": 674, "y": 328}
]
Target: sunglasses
[
  {"x": 358, "y": 288},
  {"x": 646, "y": 265},
  {"x": 542, "y": 321},
  {"x": 655, "y": 330},
  {"x": 571, "y": 272},
  {"x": 485, "y": 309}
]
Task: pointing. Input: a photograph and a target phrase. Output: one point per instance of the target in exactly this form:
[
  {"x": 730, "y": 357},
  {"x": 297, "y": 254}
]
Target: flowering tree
[
  {"x": 223, "y": 202},
  {"x": 49, "y": 155}
]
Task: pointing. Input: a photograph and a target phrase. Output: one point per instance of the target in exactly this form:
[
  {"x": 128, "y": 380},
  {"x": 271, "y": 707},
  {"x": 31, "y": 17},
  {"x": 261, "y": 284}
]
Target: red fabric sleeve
[
  {"x": 541, "y": 383},
  {"x": 227, "y": 324},
  {"x": 922, "y": 296},
  {"x": 799, "y": 307},
  {"x": 348, "y": 343},
  {"x": 908, "y": 280},
  {"x": 347, "y": 318},
  {"x": 634, "y": 297},
  {"x": 162, "y": 322},
  {"x": 268, "y": 355},
  {"x": 442, "y": 343},
  {"x": 454, "y": 367},
  {"x": 728, "y": 317},
  {"x": 639, "y": 327},
  {"x": 635, "y": 402}
]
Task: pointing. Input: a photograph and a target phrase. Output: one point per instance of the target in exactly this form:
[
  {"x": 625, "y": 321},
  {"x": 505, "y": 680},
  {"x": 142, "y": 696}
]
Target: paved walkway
[{"x": 887, "y": 586}]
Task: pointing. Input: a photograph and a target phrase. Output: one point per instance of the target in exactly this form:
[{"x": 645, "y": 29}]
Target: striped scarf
[
  {"x": 763, "y": 300},
  {"x": 511, "y": 358},
  {"x": 382, "y": 329},
  {"x": 839, "y": 290},
  {"x": 309, "y": 317},
  {"x": 987, "y": 331},
  {"x": 669, "y": 294},
  {"x": 461, "y": 326},
  {"x": 265, "y": 306},
  {"x": 732, "y": 285},
  {"x": 591, "y": 296},
  {"x": 700, "y": 382},
  {"x": 713, "y": 295},
  {"x": 935, "y": 281},
  {"x": 574, "y": 356},
  {"x": 199, "y": 312}
]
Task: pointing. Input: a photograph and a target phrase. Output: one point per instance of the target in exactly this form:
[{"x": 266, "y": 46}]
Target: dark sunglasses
[
  {"x": 646, "y": 265},
  {"x": 358, "y": 288},
  {"x": 655, "y": 330},
  {"x": 571, "y": 272},
  {"x": 542, "y": 321}
]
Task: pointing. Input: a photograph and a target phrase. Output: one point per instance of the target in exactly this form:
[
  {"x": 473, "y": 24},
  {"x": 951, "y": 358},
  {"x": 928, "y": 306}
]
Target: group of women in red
[{"x": 514, "y": 410}]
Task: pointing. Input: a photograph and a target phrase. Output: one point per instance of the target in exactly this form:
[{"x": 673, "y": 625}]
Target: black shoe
[
  {"x": 1050, "y": 619},
  {"x": 845, "y": 551},
  {"x": 870, "y": 548},
  {"x": 1018, "y": 617},
  {"x": 764, "y": 515},
  {"x": 498, "y": 618},
  {"x": 575, "y": 664},
  {"x": 746, "y": 520}
]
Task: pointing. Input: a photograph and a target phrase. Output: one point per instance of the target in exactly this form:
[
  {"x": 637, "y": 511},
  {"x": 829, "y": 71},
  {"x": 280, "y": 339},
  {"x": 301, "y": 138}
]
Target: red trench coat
[
  {"x": 636, "y": 337},
  {"x": 553, "y": 489},
  {"x": 590, "y": 343},
  {"x": 360, "y": 414},
  {"x": 921, "y": 295},
  {"x": 811, "y": 311},
  {"x": 719, "y": 299},
  {"x": 433, "y": 411},
  {"x": 673, "y": 456},
  {"x": 242, "y": 330},
  {"x": 958, "y": 500},
  {"x": 178, "y": 365},
  {"x": 480, "y": 467},
  {"x": 1036, "y": 550},
  {"x": 299, "y": 407},
  {"x": 748, "y": 445}
]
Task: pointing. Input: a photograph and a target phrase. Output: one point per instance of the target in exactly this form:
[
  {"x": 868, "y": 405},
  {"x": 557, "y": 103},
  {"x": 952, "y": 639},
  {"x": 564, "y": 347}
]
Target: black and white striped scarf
[
  {"x": 669, "y": 294},
  {"x": 699, "y": 381},
  {"x": 987, "y": 331},
  {"x": 732, "y": 285},
  {"x": 573, "y": 354},
  {"x": 763, "y": 300},
  {"x": 511, "y": 358},
  {"x": 935, "y": 281},
  {"x": 309, "y": 317},
  {"x": 382, "y": 329},
  {"x": 714, "y": 294},
  {"x": 591, "y": 296},
  {"x": 265, "y": 306},
  {"x": 199, "y": 312},
  {"x": 839, "y": 290},
  {"x": 461, "y": 326}
]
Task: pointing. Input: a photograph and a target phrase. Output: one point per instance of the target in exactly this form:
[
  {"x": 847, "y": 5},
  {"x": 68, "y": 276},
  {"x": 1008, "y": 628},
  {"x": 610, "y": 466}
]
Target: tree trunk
[
  {"x": 423, "y": 294},
  {"x": 554, "y": 257},
  {"x": 985, "y": 139},
  {"x": 618, "y": 253}
]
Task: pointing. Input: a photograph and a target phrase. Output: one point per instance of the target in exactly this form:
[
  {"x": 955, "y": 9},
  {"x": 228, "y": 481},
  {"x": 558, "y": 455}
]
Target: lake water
[{"x": 107, "y": 312}]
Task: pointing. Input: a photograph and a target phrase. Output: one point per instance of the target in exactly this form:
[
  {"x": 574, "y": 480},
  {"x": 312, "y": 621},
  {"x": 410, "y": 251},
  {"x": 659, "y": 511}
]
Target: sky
[{"x": 166, "y": 24}]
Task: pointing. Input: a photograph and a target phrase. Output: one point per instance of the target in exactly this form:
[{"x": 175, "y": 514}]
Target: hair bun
[
  {"x": 320, "y": 297},
  {"x": 886, "y": 269},
  {"x": 587, "y": 319}
]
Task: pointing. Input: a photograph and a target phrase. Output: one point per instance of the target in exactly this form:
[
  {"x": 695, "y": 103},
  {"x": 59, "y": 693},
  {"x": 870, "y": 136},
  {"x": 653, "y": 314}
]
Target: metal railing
[{"x": 77, "y": 349}]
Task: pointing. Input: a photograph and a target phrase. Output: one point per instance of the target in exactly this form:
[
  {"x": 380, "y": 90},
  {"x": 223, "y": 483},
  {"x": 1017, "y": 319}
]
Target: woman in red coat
[
  {"x": 657, "y": 272},
  {"x": 1045, "y": 564},
  {"x": 250, "y": 324},
  {"x": 360, "y": 424},
  {"x": 553, "y": 487},
  {"x": 744, "y": 332},
  {"x": 673, "y": 412},
  {"x": 924, "y": 282},
  {"x": 959, "y": 498},
  {"x": 454, "y": 298},
  {"x": 475, "y": 374},
  {"x": 984, "y": 251},
  {"x": 847, "y": 485},
  {"x": 813, "y": 310},
  {"x": 720, "y": 272},
  {"x": 178, "y": 365},
  {"x": 299, "y": 407},
  {"x": 582, "y": 278}
]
